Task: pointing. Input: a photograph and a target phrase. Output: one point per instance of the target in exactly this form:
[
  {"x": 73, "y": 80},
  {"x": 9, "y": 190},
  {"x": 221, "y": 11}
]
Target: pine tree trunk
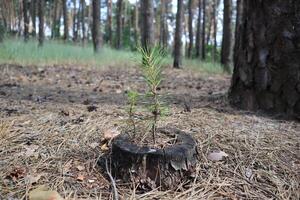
[
  {"x": 210, "y": 23},
  {"x": 164, "y": 24},
  {"x": 66, "y": 23},
  {"x": 75, "y": 33},
  {"x": 147, "y": 25},
  {"x": 82, "y": 20},
  {"x": 26, "y": 20},
  {"x": 203, "y": 51},
  {"x": 267, "y": 63},
  {"x": 33, "y": 16},
  {"x": 215, "y": 28},
  {"x": 190, "y": 26},
  {"x": 227, "y": 36},
  {"x": 96, "y": 25},
  {"x": 109, "y": 22},
  {"x": 41, "y": 14},
  {"x": 136, "y": 22},
  {"x": 199, "y": 32},
  {"x": 178, "y": 35},
  {"x": 119, "y": 24}
]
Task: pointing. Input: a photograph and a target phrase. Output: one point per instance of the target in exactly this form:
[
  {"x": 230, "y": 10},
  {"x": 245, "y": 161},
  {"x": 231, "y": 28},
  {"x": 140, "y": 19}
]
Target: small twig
[{"x": 113, "y": 183}]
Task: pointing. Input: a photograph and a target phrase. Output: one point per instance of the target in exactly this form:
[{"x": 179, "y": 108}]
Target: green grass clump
[{"x": 16, "y": 51}]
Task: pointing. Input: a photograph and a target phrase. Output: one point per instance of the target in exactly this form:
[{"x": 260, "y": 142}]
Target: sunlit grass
[{"x": 60, "y": 53}]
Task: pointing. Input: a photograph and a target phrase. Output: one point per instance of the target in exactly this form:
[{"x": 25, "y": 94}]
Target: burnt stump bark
[{"x": 154, "y": 167}]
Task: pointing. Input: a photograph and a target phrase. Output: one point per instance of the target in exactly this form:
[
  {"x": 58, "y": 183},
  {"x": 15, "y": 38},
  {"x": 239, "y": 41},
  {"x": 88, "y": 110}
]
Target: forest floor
[{"x": 52, "y": 120}]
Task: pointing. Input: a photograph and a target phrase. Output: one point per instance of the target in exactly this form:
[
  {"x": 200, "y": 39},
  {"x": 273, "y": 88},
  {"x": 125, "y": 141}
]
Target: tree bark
[
  {"x": 198, "y": 34},
  {"x": 33, "y": 16},
  {"x": 66, "y": 23},
  {"x": 109, "y": 22},
  {"x": 26, "y": 20},
  {"x": 164, "y": 24},
  {"x": 147, "y": 24},
  {"x": 82, "y": 20},
  {"x": 75, "y": 29},
  {"x": 119, "y": 24},
  {"x": 41, "y": 14},
  {"x": 203, "y": 30},
  {"x": 96, "y": 25},
  {"x": 136, "y": 22},
  {"x": 190, "y": 26},
  {"x": 267, "y": 63},
  {"x": 178, "y": 35},
  {"x": 215, "y": 28},
  {"x": 227, "y": 36}
]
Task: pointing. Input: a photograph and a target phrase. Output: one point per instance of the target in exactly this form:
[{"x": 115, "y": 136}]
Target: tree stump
[{"x": 154, "y": 167}]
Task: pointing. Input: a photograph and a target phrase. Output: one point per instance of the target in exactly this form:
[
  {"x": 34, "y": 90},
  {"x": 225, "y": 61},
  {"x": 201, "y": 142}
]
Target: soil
[{"x": 52, "y": 120}]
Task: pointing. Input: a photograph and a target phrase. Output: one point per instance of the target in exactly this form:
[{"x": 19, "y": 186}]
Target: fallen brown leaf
[
  {"x": 80, "y": 177},
  {"x": 111, "y": 133},
  {"x": 217, "y": 155}
]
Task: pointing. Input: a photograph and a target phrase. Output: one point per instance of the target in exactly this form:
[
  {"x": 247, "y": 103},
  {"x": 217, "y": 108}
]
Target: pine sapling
[{"x": 152, "y": 72}]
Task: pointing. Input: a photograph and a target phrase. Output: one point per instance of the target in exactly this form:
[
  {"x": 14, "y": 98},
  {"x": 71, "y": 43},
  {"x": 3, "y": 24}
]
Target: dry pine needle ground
[{"x": 49, "y": 136}]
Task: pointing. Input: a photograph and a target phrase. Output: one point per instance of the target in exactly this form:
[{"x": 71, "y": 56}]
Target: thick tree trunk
[
  {"x": 198, "y": 33},
  {"x": 190, "y": 26},
  {"x": 267, "y": 63},
  {"x": 203, "y": 51},
  {"x": 178, "y": 35},
  {"x": 147, "y": 25},
  {"x": 41, "y": 14},
  {"x": 33, "y": 16},
  {"x": 119, "y": 24},
  {"x": 96, "y": 25},
  {"x": 26, "y": 20},
  {"x": 227, "y": 36},
  {"x": 82, "y": 20},
  {"x": 66, "y": 23},
  {"x": 109, "y": 22}
]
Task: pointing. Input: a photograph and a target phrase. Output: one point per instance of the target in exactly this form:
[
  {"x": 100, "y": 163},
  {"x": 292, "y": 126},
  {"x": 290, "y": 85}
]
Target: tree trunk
[
  {"x": 227, "y": 36},
  {"x": 66, "y": 23},
  {"x": 190, "y": 26},
  {"x": 198, "y": 34},
  {"x": 267, "y": 63},
  {"x": 56, "y": 20},
  {"x": 147, "y": 24},
  {"x": 203, "y": 30},
  {"x": 136, "y": 22},
  {"x": 82, "y": 20},
  {"x": 41, "y": 14},
  {"x": 75, "y": 30},
  {"x": 215, "y": 28},
  {"x": 164, "y": 24},
  {"x": 238, "y": 23},
  {"x": 33, "y": 16},
  {"x": 26, "y": 20},
  {"x": 210, "y": 23},
  {"x": 178, "y": 35},
  {"x": 109, "y": 22},
  {"x": 96, "y": 25},
  {"x": 119, "y": 24}
]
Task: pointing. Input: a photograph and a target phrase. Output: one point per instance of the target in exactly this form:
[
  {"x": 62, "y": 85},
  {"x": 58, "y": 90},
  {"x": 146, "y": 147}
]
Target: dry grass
[{"x": 56, "y": 142}]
